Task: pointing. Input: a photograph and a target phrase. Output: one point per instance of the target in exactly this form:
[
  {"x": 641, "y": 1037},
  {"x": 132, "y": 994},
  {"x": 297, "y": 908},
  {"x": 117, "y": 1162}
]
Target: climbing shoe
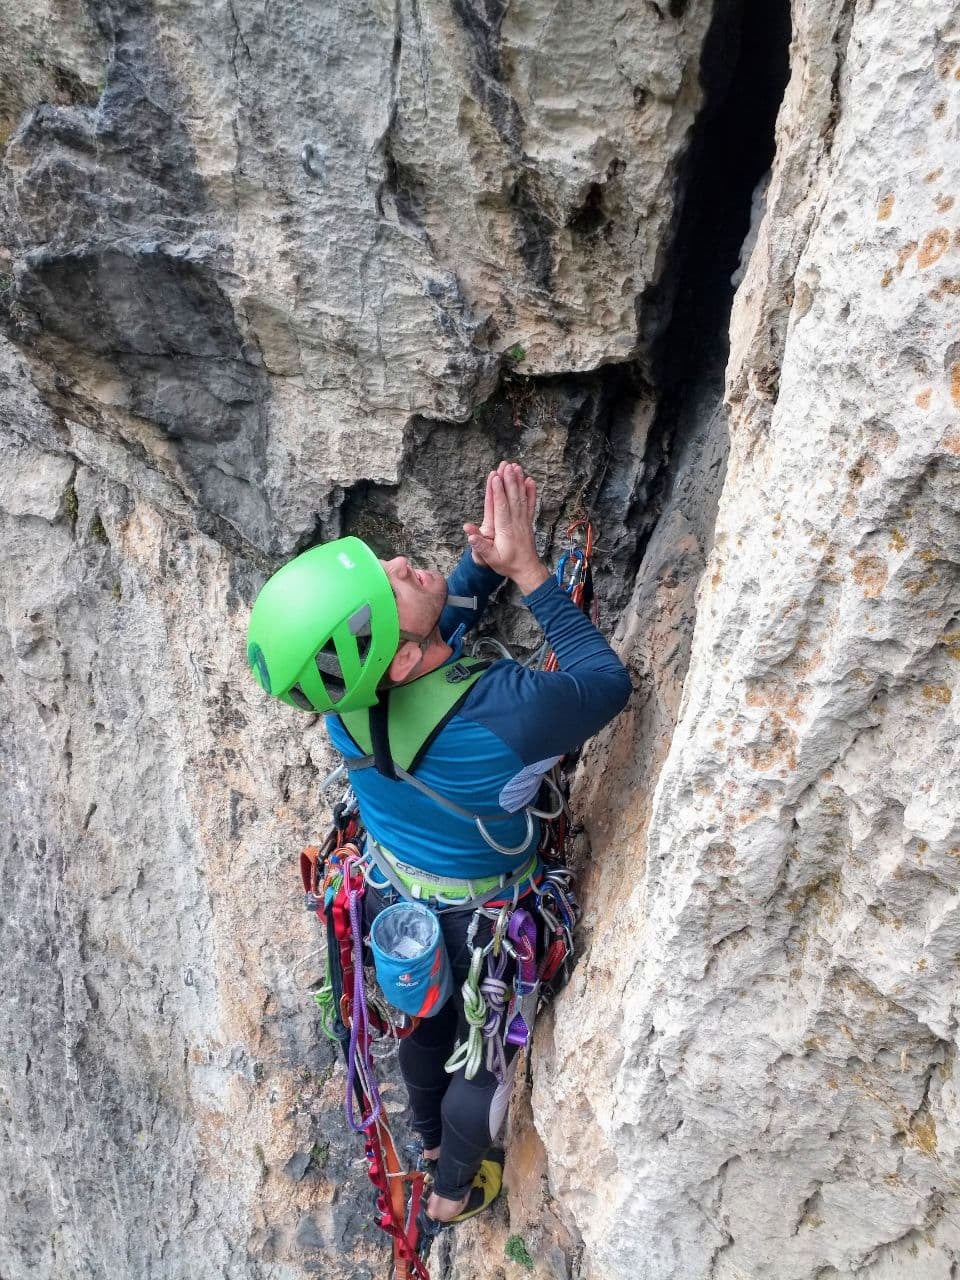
[{"x": 487, "y": 1182}]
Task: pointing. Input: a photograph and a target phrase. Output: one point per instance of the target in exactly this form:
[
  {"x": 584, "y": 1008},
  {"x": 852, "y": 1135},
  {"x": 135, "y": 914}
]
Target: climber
[{"x": 335, "y": 631}]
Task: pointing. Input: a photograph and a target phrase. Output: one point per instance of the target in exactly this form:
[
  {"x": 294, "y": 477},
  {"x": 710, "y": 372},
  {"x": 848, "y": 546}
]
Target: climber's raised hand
[{"x": 505, "y": 540}]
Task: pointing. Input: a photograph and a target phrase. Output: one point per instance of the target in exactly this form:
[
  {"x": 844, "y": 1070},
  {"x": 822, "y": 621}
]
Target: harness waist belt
[
  {"x": 412, "y": 882},
  {"x": 407, "y": 871}
]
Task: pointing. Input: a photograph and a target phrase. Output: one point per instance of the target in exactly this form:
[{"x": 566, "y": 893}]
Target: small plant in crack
[
  {"x": 516, "y": 354},
  {"x": 97, "y": 531},
  {"x": 517, "y": 1251},
  {"x": 71, "y": 505}
]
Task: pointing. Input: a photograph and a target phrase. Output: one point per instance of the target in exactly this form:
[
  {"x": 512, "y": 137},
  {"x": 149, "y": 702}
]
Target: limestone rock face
[
  {"x": 768, "y": 1071},
  {"x": 272, "y": 273},
  {"x": 262, "y": 241},
  {"x": 267, "y": 273}
]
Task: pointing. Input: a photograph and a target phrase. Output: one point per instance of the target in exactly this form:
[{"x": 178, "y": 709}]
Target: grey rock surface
[
  {"x": 279, "y": 235},
  {"x": 272, "y": 273},
  {"x": 267, "y": 273},
  {"x": 776, "y": 1097}
]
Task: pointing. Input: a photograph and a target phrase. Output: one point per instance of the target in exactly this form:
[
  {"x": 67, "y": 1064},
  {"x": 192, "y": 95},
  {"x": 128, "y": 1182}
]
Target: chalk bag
[{"x": 410, "y": 958}]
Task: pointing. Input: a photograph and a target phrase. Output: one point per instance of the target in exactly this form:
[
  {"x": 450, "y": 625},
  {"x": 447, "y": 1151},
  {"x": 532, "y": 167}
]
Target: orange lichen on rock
[
  {"x": 944, "y": 203},
  {"x": 916, "y": 585},
  {"x": 904, "y": 255},
  {"x": 885, "y": 208},
  {"x": 934, "y": 246},
  {"x": 805, "y": 667},
  {"x": 941, "y": 694},
  {"x": 955, "y": 383},
  {"x": 871, "y": 573},
  {"x": 780, "y": 748},
  {"x": 922, "y": 398},
  {"x": 922, "y": 1134},
  {"x": 951, "y": 442}
]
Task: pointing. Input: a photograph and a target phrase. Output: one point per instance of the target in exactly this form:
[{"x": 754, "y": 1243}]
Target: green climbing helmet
[{"x": 324, "y": 628}]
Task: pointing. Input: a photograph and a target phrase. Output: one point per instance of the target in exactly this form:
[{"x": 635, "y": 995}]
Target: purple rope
[
  {"x": 495, "y": 992},
  {"x": 360, "y": 1018}
]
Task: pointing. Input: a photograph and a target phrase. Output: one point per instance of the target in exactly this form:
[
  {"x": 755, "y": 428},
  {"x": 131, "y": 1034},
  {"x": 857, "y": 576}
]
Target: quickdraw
[{"x": 575, "y": 576}]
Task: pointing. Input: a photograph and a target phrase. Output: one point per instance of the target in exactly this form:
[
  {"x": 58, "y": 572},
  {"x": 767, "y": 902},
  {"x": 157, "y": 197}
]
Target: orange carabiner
[{"x": 586, "y": 525}]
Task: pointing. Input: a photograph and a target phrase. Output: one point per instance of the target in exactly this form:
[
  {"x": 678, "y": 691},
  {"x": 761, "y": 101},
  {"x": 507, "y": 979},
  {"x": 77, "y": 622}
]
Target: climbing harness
[{"x": 532, "y": 914}]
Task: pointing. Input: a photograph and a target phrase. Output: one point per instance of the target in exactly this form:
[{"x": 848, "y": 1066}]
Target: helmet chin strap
[{"x": 423, "y": 642}]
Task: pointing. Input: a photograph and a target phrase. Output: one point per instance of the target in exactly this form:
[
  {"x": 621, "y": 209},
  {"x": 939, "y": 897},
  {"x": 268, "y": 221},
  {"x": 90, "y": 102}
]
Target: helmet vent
[
  {"x": 359, "y": 625},
  {"x": 301, "y": 699},
  {"x": 328, "y": 664}
]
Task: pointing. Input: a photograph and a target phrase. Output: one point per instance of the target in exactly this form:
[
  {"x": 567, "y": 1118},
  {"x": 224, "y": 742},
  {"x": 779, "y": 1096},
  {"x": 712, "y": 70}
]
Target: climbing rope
[{"x": 469, "y": 1053}]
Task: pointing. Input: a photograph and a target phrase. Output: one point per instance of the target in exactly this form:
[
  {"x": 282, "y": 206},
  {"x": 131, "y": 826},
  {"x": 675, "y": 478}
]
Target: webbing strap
[
  {"x": 382, "y": 757},
  {"x": 368, "y": 762},
  {"x": 418, "y": 711},
  {"x": 375, "y": 854}
]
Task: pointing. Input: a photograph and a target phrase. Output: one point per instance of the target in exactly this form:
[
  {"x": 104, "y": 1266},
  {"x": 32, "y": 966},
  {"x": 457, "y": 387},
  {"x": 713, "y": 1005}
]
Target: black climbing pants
[{"x": 460, "y": 1116}]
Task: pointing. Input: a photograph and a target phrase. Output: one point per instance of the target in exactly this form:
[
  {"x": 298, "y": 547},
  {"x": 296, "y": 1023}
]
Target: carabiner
[
  {"x": 576, "y": 555},
  {"x": 502, "y": 848},
  {"x": 500, "y": 928}
]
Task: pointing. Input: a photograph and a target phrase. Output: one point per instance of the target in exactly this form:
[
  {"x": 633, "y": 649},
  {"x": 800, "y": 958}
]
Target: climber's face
[{"x": 420, "y": 595}]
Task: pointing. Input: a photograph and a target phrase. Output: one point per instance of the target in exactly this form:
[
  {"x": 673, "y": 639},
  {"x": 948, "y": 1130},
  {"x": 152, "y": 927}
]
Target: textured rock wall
[
  {"x": 261, "y": 242},
  {"x": 273, "y": 272},
  {"x": 266, "y": 273},
  {"x": 775, "y": 1095}
]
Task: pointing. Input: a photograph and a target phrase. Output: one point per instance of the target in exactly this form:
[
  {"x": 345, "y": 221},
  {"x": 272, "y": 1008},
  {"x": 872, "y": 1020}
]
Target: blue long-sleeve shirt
[{"x": 511, "y": 728}]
